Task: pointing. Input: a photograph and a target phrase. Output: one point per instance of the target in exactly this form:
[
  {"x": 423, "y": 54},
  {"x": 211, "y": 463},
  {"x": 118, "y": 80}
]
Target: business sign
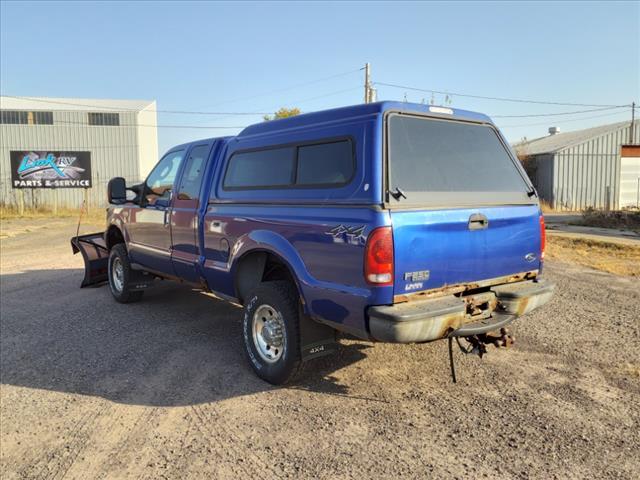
[{"x": 31, "y": 169}]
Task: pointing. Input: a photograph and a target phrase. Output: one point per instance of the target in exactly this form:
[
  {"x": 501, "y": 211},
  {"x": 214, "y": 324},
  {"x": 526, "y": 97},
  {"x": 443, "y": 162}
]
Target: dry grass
[
  {"x": 620, "y": 219},
  {"x": 546, "y": 207},
  {"x": 605, "y": 256},
  {"x": 11, "y": 213}
]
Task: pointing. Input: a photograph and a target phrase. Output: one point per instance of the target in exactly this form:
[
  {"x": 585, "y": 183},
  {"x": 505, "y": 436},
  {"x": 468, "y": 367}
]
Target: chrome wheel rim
[
  {"x": 269, "y": 335},
  {"x": 117, "y": 274}
]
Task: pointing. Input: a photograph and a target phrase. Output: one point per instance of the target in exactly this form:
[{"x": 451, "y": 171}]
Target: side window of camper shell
[{"x": 322, "y": 164}]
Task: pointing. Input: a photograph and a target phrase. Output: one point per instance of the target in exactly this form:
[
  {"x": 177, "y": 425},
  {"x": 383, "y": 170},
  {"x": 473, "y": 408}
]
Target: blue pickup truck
[{"x": 391, "y": 222}]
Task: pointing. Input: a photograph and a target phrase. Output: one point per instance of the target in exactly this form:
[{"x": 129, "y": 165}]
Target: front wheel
[
  {"x": 120, "y": 274},
  {"x": 270, "y": 329}
]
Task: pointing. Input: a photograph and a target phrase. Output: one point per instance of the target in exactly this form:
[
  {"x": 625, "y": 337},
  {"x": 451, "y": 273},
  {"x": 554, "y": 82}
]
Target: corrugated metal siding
[
  {"x": 542, "y": 177},
  {"x": 114, "y": 152},
  {"x": 588, "y": 174}
]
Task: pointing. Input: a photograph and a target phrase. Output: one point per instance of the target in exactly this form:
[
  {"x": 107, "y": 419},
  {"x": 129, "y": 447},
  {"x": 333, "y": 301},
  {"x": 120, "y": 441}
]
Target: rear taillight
[
  {"x": 543, "y": 238},
  {"x": 378, "y": 257}
]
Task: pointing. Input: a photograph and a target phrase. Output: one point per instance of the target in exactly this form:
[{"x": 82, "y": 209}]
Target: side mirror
[
  {"x": 134, "y": 193},
  {"x": 117, "y": 191}
]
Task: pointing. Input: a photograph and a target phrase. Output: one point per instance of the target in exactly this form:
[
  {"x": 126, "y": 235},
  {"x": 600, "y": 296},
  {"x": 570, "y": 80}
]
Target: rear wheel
[
  {"x": 271, "y": 334},
  {"x": 119, "y": 275}
]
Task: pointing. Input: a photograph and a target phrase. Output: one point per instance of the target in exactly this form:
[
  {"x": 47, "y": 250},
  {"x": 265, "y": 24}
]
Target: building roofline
[
  {"x": 10, "y": 102},
  {"x": 562, "y": 141}
]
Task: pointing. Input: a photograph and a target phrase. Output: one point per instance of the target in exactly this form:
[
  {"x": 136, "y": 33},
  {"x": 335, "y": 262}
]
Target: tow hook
[{"x": 477, "y": 345}]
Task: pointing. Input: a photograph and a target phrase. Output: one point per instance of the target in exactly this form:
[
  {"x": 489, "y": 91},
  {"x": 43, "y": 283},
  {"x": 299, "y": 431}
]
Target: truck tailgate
[{"x": 437, "y": 248}]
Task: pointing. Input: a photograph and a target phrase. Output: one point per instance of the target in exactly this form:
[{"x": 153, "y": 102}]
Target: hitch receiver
[{"x": 478, "y": 345}]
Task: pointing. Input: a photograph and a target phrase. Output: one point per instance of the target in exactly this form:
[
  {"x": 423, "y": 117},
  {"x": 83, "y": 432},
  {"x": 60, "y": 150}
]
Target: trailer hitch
[{"x": 477, "y": 345}]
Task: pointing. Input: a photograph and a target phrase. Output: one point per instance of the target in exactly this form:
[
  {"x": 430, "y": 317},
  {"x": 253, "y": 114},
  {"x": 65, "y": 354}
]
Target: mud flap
[
  {"x": 316, "y": 339},
  {"x": 139, "y": 280},
  {"x": 95, "y": 255}
]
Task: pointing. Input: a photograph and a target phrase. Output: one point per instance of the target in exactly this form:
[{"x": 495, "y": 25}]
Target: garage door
[{"x": 630, "y": 177}]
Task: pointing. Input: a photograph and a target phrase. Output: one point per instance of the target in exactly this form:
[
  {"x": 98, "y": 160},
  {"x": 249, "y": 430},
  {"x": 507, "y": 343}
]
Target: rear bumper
[{"x": 427, "y": 320}]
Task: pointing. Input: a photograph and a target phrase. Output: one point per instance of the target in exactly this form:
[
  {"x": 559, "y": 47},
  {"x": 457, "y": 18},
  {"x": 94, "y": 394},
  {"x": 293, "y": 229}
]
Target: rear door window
[{"x": 192, "y": 176}]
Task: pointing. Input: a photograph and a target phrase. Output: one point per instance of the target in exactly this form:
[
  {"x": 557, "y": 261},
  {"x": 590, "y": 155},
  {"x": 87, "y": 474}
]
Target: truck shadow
[{"x": 175, "y": 347}]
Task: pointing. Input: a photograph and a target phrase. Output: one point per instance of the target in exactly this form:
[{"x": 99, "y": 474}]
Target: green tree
[{"x": 284, "y": 112}]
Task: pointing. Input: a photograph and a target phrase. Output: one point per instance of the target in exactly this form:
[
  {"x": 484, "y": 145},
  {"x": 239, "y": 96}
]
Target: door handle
[
  {"x": 478, "y": 221},
  {"x": 166, "y": 214}
]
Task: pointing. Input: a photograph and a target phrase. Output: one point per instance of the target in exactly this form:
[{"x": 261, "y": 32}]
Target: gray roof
[
  {"x": 74, "y": 104},
  {"x": 560, "y": 141}
]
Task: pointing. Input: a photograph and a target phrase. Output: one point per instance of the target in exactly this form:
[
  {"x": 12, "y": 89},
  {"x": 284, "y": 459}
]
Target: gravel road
[{"x": 160, "y": 389}]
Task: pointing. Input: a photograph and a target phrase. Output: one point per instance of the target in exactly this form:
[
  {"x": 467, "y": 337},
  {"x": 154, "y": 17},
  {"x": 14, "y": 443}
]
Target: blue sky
[{"x": 257, "y": 57}]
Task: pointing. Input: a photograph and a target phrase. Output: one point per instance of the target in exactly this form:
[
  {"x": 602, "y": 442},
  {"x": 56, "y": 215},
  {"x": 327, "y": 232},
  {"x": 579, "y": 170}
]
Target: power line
[
  {"x": 186, "y": 112},
  {"x": 176, "y": 111},
  {"x": 21, "y": 148},
  {"x": 229, "y": 127},
  {"x": 502, "y": 99},
  {"x": 563, "y": 121},
  {"x": 219, "y": 127},
  {"x": 293, "y": 87},
  {"x": 326, "y": 95},
  {"x": 125, "y": 109},
  {"x": 121, "y": 109},
  {"x": 296, "y": 102},
  {"x": 559, "y": 114}
]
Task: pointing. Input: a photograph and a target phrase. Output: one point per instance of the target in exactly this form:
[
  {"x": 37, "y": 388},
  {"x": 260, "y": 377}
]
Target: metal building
[
  {"x": 59, "y": 152},
  {"x": 598, "y": 167}
]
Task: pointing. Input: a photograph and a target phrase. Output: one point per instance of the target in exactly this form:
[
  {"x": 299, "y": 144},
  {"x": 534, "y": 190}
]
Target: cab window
[
  {"x": 192, "y": 176},
  {"x": 160, "y": 181}
]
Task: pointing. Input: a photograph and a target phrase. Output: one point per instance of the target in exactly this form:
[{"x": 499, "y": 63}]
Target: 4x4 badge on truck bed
[{"x": 353, "y": 235}]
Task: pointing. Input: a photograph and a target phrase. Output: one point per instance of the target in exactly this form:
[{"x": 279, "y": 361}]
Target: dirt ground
[
  {"x": 160, "y": 389},
  {"x": 619, "y": 258}
]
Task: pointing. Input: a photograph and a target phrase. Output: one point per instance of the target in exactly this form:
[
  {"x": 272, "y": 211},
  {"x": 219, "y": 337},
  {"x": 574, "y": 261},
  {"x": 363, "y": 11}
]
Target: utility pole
[
  {"x": 633, "y": 119},
  {"x": 370, "y": 93},
  {"x": 367, "y": 82}
]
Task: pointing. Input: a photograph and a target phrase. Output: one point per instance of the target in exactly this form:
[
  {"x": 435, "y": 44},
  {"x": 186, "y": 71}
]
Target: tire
[
  {"x": 119, "y": 274},
  {"x": 271, "y": 331}
]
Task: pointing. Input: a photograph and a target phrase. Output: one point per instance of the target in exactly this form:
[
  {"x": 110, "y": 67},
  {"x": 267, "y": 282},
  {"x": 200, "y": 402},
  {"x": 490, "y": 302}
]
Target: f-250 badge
[
  {"x": 417, "y": 279},
  {"x": 353, "y": 235}
]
